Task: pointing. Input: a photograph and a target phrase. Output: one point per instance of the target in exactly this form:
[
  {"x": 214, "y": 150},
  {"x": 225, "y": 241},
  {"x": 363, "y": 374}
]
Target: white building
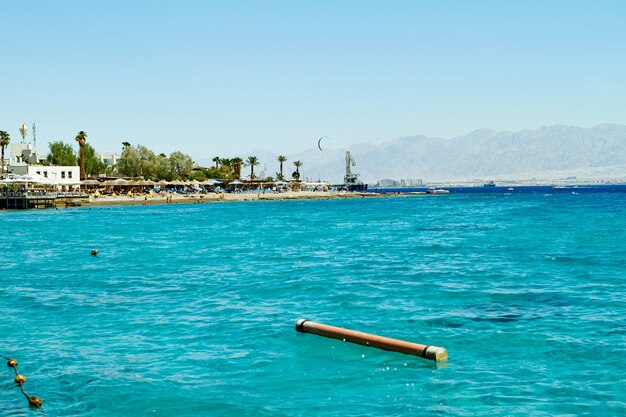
[
  {"x": 108, "y": 158},
  {"x": 22, "y": 153},
  {"x": 411, "y": 182},
  {"x": 387, "y": 183},
  {"x": 64, "y": 177}
]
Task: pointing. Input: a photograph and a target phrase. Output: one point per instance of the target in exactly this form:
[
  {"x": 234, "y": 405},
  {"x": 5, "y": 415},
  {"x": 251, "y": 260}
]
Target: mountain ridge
[{"x": 547, "y": 151}]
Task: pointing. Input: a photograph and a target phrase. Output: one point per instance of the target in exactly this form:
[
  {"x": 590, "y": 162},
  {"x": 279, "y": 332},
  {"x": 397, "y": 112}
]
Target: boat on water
[
  {"x": 489, "y": 184},
  {"x": 437, "y": 191}
]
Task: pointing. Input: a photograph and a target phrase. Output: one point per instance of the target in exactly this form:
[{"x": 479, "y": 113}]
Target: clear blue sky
[{"x": 228, "y": 77}]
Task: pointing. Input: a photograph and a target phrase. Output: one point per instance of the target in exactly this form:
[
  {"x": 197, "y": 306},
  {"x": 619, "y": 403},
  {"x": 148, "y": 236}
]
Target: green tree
[
  {"x": 137, "y": 161},
  {"x": 226, "y": 162},
  {"x": 81, "y": 138},
  {"x": 199, "y": 176},
  {"x": 226, "y": 168},
  {"x": 296, "y": 174},
  {"x": 161, "y": 167},
  {"x": 147, "y": 162},
  {"x": 181, "y": 165},
  {"x": 61, "y": 154},
  {"x": 252, "y": 161},
  {"x": 281, "y": 159},
  {"x": 93, "y": 165},
  {"x": 217, "y": 161},
  {"x": 129, "y": 163},
  {"x": 4, "y": 142},
  {"x": 237, "y": 164}
]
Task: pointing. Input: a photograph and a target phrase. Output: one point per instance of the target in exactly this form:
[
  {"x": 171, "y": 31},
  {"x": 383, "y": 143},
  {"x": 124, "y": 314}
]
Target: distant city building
[
  {"x": 387, "y": 183},
  {"x": 411, "y": 182},
  {"x": 402, "y": 183}
]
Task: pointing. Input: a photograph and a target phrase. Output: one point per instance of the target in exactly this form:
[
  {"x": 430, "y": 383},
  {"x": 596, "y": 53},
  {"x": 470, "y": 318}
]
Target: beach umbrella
[
  {"x": 10, "y": 181},
  {"x": 235, "y": 182},
  {"x": 118, "y": 181},
  {"x": 280, "y": 183},
  {"x": 36, "y": 179}
]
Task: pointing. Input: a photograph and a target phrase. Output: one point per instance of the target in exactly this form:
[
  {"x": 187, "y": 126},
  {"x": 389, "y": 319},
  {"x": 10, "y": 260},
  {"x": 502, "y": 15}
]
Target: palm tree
[
  {"x": 4, "y": 142},
  {"x": 237, "y": 162},
  {"x": 125, "y": 145},
  {"x": 281, "y": 159},
  {"x": 81, "y": 138},
  {"x": 252, "y": 161},
  {"x": 296, "y": 174},
  {"x": 217, "y": 161}
]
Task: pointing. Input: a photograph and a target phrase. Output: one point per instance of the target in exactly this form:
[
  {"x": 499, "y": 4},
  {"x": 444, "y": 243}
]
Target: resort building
[
  {"x": 64, "y": 177},
  {"x": 25, "y": 161}
]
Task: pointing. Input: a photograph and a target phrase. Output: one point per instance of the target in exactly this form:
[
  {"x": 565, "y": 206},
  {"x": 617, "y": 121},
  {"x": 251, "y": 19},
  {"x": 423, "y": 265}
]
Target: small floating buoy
[
  {"x": 95, "y": 252},
  {"x": 434, "y": 353},
  {"x": 20, "y": 380},
  {"x": 35, "y": 401}
]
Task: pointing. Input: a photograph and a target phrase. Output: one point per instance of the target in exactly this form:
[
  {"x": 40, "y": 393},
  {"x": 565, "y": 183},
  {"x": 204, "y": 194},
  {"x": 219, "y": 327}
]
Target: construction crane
[{"x": 351, "y": 180}]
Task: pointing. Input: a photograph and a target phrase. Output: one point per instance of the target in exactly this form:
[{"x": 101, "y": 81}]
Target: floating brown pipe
[{"x": 429, "y": 352}]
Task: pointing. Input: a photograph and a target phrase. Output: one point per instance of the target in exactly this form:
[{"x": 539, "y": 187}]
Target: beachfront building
[{"x": 64, "y": 178}]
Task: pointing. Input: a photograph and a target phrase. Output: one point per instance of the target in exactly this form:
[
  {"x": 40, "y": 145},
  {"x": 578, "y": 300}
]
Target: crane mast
[{"x": 351, "y": 180}]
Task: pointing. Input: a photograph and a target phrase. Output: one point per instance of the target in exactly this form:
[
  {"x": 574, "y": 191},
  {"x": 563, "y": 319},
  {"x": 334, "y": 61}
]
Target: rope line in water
[{"x": 20, "y": 379}]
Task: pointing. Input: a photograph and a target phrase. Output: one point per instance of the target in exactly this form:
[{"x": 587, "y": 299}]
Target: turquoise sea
[{"x": 189, "y": 310}]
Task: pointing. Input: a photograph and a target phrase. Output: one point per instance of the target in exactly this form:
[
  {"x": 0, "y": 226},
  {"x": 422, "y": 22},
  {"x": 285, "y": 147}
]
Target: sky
[{"x": 225, "y": 78}]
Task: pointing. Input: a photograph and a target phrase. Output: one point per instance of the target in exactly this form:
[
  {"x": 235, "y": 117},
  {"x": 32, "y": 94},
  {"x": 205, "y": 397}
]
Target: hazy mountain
[{"x": 483, "y": 154}]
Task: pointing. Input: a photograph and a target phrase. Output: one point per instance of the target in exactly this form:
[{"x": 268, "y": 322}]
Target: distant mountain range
[{"x": 548, "y": 152}]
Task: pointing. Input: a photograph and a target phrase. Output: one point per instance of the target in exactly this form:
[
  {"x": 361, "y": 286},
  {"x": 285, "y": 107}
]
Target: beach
[{"x": 162, "y": 198}]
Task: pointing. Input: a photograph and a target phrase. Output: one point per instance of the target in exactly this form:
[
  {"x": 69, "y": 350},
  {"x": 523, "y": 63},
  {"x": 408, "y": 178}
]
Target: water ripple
[{"x": 189, "y": 310}]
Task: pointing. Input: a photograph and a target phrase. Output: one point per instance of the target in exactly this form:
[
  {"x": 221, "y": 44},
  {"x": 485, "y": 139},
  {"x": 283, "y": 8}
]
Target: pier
[{"x": 27, "y": 199}]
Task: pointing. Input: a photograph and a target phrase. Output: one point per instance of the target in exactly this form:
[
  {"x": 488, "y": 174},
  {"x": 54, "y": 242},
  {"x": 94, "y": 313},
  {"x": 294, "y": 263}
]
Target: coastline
[{"x": 212, "y": 198}]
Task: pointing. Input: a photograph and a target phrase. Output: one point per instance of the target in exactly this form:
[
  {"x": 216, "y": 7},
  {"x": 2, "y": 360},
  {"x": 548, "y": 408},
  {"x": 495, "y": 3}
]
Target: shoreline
[{"x": 159, "y": 199}]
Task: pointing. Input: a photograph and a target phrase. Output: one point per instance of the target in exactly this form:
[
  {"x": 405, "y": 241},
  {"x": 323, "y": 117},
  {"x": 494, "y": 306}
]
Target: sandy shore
[{"x": 216, "y": 197}]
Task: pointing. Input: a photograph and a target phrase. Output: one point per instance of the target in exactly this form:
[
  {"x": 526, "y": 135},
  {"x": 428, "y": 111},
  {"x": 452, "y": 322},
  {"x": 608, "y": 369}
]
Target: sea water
[{"x": 189, "y": 310}]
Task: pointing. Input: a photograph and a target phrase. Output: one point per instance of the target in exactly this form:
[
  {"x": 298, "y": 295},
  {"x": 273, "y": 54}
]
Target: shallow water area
[{"x": 189, "y": 310}]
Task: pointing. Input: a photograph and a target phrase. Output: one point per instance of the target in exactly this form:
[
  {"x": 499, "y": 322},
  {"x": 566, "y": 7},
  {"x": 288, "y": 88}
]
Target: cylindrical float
[{"x": 425, "y": 351}]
